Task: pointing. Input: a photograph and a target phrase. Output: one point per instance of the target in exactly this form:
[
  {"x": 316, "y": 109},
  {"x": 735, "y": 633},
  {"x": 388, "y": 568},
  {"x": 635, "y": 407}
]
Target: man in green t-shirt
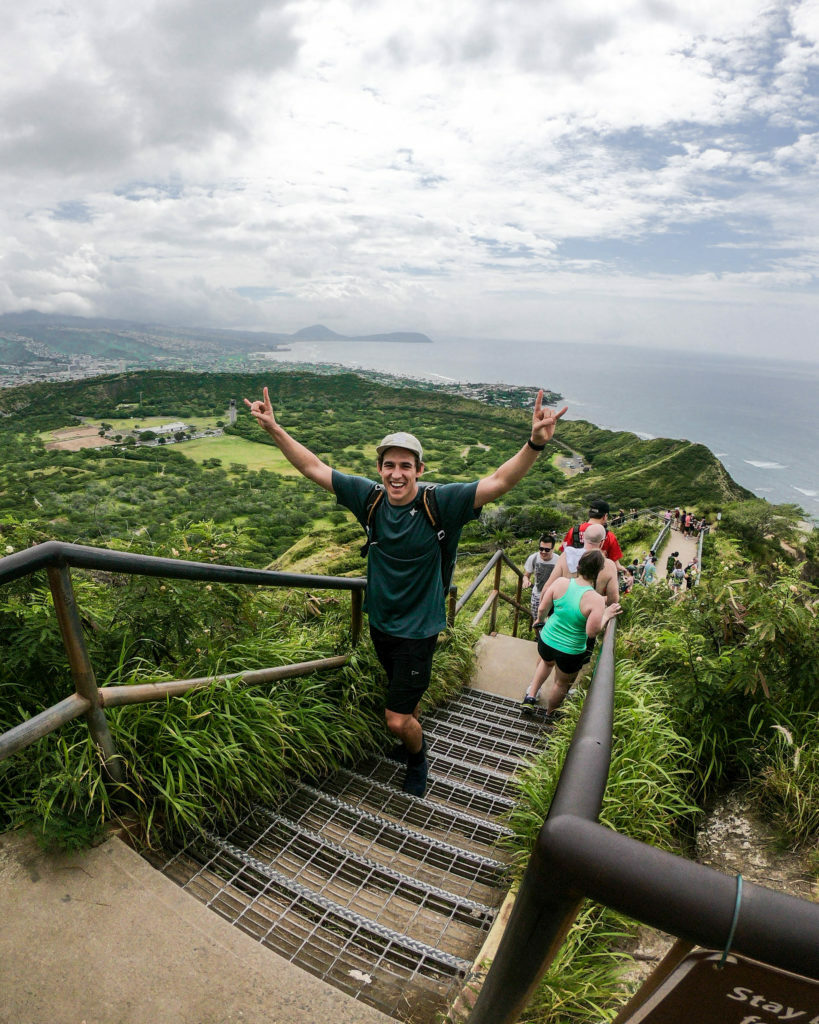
[{"x": 405, "y": 594}]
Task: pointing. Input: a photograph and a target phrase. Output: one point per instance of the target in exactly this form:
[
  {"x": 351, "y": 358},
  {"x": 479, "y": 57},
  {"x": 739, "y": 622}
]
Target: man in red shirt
[{"x": 599, "y": 513}]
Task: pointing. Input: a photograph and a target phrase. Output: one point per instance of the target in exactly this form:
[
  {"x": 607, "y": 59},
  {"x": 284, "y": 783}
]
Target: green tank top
[{"x": 565, "y": 630}]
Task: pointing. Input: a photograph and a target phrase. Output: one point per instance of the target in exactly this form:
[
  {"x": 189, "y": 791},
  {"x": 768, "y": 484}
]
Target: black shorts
[
  {"x": 567, "y": 663},
  {"x": 408, "y": 664}
]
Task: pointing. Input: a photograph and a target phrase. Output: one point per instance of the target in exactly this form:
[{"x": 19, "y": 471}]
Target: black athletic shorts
[
  {"x": 567, "y": 663},
  {"x": 408, "y": 664}
]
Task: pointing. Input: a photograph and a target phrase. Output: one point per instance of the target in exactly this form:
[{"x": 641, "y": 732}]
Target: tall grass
[
  {"x": 787, "y": 784},
  {"x": 194, "y": 761}
]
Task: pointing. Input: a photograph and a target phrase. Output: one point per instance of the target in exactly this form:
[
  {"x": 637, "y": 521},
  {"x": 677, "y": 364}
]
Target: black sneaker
[
  {"x": 528, "y": 704},
  {"x": 415, "y": 781}
]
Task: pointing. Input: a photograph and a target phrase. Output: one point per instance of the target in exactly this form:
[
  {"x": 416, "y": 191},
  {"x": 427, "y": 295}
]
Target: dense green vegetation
[
  {"x": 97, "y": 495},
  {"x": 660, "y": 471}
]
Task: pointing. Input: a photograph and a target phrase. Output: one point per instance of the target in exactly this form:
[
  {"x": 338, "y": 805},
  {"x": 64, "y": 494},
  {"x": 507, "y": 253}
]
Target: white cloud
[{"x": 423, "y": 165}]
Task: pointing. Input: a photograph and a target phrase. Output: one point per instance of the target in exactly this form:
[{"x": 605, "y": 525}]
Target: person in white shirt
[{"x": 537, "y": 570}]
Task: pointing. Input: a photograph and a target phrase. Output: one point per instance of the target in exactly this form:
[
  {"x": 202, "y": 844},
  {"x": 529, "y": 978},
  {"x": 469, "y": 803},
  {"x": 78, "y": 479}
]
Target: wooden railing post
[
  {"x": 65, "y": 605},
  {"x": 452, "y": 600},
  {"x": 356, "y": 602},
  {"x": 494, "y": 616},
  {"x": 518, "y": 596}
]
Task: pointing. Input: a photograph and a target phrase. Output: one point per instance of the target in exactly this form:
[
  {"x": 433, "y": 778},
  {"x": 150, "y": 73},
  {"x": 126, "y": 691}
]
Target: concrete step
[{"x": 166, "y": 956}]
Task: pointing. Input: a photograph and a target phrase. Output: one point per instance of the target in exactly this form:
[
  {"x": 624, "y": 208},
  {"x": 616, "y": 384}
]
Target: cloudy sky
[{"x": 639, "y": 172}]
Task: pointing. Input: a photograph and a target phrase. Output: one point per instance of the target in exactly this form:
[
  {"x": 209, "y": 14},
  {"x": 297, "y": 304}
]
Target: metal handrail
[
  {"x": 661, "y": 536},
  {"x": 700, "y": 540},
  {"x": 57, "y": 553},
  {"x": 491, "y": 603},
  {"x": 640, "y": 513},
  {"x": 90, "y": 700},
  {"x": 544, "y": 909}
]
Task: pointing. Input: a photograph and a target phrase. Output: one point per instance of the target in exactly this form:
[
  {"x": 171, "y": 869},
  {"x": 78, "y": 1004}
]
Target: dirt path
[{"x": 686, "y": 546}]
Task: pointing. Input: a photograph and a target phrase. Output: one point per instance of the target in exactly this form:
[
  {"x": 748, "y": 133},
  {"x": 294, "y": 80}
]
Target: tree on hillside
[{"x": 757, "y": 522}]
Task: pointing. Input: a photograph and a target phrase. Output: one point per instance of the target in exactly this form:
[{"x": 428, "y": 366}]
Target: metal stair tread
[
  {"x": 441, "y": 788},
  {"x": 483, "y": 740},
  {"x": 465, "y": 871},
  {"x": 433, "y": 920},
  {"x": 462, "y": 752},
  {"x": 527, "y": 730},
  {"x": 336, "y": 948},
  {"x": 424, "y": 814},
  {"x": 382, "y": 894},
  {"x": 496, "y": 783}
]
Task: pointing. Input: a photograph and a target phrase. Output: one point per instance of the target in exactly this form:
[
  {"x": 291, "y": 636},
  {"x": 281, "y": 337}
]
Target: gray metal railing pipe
[
  {"x": 89, "y": 700},
  {"x": 661, "y": 536},
  {"x": 37, "y": 726},
  {"x": 138, "y": 693},
  {"x": 82, "y": 671},
  {"x": 679, "y": 896},
  {"x": 585, "y": 772},
  {"x": 473, "y": 586},
  {"x": 56, "y": 553}
]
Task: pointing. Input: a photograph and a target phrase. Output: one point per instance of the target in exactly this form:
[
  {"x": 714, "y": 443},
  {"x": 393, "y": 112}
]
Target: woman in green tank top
[{"x": 579, "y": 614}]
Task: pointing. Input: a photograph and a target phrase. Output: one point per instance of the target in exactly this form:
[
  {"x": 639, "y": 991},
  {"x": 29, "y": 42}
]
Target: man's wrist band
[{"x": 533, "y": 446}]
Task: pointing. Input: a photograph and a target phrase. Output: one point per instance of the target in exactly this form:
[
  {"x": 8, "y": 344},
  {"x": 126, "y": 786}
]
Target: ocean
[{"x": 758, "y": 416}]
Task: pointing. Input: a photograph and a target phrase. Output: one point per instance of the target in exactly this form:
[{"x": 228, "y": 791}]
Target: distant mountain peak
[{"x": 318, "y": 332}]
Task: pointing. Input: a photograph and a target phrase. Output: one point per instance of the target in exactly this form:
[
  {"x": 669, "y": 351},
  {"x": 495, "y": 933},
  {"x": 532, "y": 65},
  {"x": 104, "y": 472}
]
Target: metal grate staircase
[{"x": 383, "y": 895}]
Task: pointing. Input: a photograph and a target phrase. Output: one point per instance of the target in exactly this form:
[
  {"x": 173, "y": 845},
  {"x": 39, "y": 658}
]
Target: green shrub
[{"x": 740, "y": 650}]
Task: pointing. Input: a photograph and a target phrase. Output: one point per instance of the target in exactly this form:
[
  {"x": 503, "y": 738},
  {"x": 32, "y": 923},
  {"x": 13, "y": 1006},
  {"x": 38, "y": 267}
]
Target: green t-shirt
[{"x": 405, "y": 592}]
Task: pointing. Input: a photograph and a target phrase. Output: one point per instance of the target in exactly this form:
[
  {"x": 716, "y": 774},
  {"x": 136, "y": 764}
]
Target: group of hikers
[
  {"x": 412, "y": 530},
  {"x": 686, "y": 522}
]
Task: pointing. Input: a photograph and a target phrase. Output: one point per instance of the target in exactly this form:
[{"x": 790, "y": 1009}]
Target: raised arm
[
  {"x": 544, "y": 421},
  {"x": 305, "y": 461}
]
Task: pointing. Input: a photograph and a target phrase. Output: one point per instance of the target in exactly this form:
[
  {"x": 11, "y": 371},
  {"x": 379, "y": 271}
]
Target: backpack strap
[
  {"x": 448, "y": 554},
  {"x": 429, "y": 503},
  {"x": 374, "y": 498}
]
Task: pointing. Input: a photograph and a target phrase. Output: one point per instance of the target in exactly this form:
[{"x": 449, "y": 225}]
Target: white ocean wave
[
  {"x": 721, "y": 455},
  {"x": 808, "y": 494},
  {"x": 644, "y": 436},
  {"x": 764, "y": 465}
]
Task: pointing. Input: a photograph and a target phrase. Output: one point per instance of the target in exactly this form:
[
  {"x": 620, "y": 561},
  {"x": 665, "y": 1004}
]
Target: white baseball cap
[{"x": 401, "y": 440}]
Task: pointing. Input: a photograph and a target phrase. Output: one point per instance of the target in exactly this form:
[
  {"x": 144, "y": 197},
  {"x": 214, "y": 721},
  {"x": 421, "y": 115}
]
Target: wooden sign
[{"x": 742, "y": 991}]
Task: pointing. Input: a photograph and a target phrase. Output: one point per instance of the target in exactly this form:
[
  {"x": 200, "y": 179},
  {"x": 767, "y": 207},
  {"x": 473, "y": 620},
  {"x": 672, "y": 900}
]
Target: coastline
[{"x": 758, "y": 418}]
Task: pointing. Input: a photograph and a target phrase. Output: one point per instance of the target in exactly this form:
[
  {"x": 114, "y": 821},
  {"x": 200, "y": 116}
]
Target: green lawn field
[{"x": 230, "y": 448}]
